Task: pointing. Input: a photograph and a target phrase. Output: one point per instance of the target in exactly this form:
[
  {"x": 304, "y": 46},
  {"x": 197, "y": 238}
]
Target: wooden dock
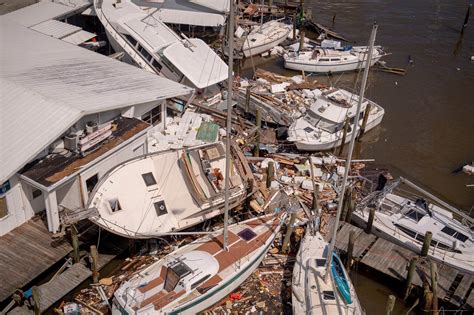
[
  {"x": 27, "y": 252},
  {"x": 393, "y": 260}
]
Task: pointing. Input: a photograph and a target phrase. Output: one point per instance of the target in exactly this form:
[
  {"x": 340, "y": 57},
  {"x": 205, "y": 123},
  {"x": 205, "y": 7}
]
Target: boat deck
[
  {"x": 55, "y": 167},
  {"x": 27, "y": 251},
  {"x": 393, "y": 260}
]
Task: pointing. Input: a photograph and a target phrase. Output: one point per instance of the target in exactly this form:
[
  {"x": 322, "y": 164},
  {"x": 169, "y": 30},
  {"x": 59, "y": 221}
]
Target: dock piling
[
  {"x": 409, "y": 279},
  {"x": 434, "y": 287},
  {"x": 75, "y": 243},
  {"x": 247, "y": 99},
  {"x": 364, "y": 121},
  {"x": 368, "y": 229},
  {"x": 426, "y": 244},
  {"x": 350, "y": 209},
  {"x": 390, "y": 304},
  {"x": 344, "y": 135},
  {"x": 258, "y": 118},
  {"x": 270, "y": 173},
  {"x": 289, "y": 231},
  {"x": 301, "y": 40},
  {"x": 350, "y": 249},
  {"x": 94, "y": 261}
]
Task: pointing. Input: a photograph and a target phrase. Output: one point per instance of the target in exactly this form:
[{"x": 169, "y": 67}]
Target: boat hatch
[
  {"x": 160, "y": 208},
  {"x": 457, "y": 235},
  {"x": 174, "y": 274},
  {"x": 329, "y": 295},
  {"x": 414, "y": 215},
  {"x": 149, "y": 179},
  {"x": 247, "y": 234},
  {"x": 320, "y": 262},
  {"x": 308, "y": 129},
  {"x": 114, "y": 204}
]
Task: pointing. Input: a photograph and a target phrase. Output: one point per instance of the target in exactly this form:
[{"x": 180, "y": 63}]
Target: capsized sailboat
[
  {"x": 264, "y": 37},
  {"x": 168, "y": 191},
  {"x": 198, "y": 275}
]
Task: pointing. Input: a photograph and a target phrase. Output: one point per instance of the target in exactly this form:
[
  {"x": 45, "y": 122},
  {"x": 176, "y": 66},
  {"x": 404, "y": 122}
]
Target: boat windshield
[
  {"x": 319, "y": 122},
  {"x": 174, "y": 274}
]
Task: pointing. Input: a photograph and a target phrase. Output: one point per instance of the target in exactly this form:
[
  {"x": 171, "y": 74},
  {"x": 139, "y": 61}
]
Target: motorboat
[
  {"x": 331, "y": 58},
  {"x": 150, "y": 44},
  {"x": 168, "y": 191},
  {"x": 264, "y": 37},
  {"x": 405, "y": 221},
  {"x": 314, "y": 292},
  {"x": 322, "y": 126},
  {"x": 198, "y": 275}
]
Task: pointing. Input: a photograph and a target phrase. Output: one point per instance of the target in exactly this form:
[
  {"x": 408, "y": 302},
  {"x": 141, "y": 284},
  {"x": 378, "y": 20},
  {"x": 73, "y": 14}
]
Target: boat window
[
  {"x": 329, "y": 295},
  {"x": 320, "y": 262},
  {"x": 160, "y": 207},
  {"x": 131, "y": 40},
  {"x": 452, "y": 232},
  {"x": 156, "y": 64},
  {"x": 253, "y": 39},
  {"x": 149, "y": 179},
  {"x": 323, "y": 59},
  {"x": 247, "y": 234},
  {"x": 115, "y": 205},
  {"x": 415, "y": 215},
  {"x": 336, "y": 59},
  {"x": 174, "y": 274},
  {"x": 145, "y": 53},
  {"x": 195, "y": 284},
  {"x": 407, "y": 231},
  {"x": 91, "y": 182}
]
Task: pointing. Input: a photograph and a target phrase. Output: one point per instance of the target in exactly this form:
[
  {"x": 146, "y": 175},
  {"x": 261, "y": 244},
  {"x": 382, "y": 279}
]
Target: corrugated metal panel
[
  {"x": 45, "y": 10},
  {"x": 55, "y": 28},
  {"x": 47, "y": 85},
  {"x": 79, "y": 37}
]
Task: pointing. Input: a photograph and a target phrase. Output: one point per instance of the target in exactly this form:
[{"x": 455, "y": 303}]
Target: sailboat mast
[
  {"x": 351, "y": 147},
  {"x": 230, "y": 41}
]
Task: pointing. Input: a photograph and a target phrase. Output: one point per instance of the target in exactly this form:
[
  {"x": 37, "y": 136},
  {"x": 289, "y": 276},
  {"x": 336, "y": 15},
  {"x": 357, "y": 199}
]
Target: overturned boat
[
  {"x": 331, "y": 57},
  {"x": 199, "y": 274},
  {"x": 322, "y": 126},
  {"x": 405, "y": 221},
  {"x": 264, "y": 37},
  {"x": 168, "y": 191}
]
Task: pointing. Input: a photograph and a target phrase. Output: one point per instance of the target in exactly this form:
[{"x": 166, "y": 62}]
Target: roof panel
[
  {"x": 79, "y": 37},
  {"x": 189, "y": 17},
  {"x": 55, "y": 28},
  {"x": 44, "y": 92}
]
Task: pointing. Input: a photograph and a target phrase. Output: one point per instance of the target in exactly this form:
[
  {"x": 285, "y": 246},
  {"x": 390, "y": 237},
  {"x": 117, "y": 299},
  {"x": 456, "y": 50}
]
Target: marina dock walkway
[{"x": 393, "y": 260}]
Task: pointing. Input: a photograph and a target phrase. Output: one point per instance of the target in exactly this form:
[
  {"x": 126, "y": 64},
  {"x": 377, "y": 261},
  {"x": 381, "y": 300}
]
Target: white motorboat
[
  {"x": 150, "y": 44},
  {"x": 313, "y": 291},
  {"x": 331, "y": 58},
  {"x": 264, "y": 37},
  {"x": 405, "y": 221},
  {"x": 168, "y": 191},
  {"x": 198, "y": 275},
  {"x": 322, "y": 127}
]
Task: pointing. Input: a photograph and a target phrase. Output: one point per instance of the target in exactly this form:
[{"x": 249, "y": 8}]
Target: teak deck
[{"x": 393, "y": 260}]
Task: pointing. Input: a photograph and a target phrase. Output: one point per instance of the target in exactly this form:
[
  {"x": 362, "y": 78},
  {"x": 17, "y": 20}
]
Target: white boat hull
[
  {"x": 318, "y": 146},
  {"x": 308, "y": 66},
  {"x": 257, "y": 50}
]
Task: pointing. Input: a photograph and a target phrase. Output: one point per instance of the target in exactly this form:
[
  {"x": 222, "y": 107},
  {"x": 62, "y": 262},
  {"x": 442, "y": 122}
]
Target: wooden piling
[
  {"x": 427, "y": 299},
  {"x": 364, "y": 121},
  {"x": 426, "y": 244},
  {"x": 350, "y": 250},
  {"x": 270, "y": 173},
  {"x": 345, "y": 203},
  {"x": 289, "y": 231},
  {"x": 301, "y": 40},
  {"x": 390, "y": 304},
  {"x": 294, "y": 26},
  {"x": 247, "y": 99},
  {"x": 344, "y": 135},
  {"x": 434, "y": 287},
  {"x": 258, "y": 117},
  {"x": 350, "y": 209},
  {"x": 37, "y": 300},
  {"x": 409, "y": 279},
  {"x": 94, "y": 260},
  {"x": 370, "y": 222},
  {"x": 75, "y": 243}
]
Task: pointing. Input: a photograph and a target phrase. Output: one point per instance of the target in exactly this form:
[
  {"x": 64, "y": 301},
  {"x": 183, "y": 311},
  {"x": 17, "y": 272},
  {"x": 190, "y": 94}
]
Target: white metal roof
[
  {"x": 200, "y": 64},
  {"x": 218, "y": 5},
  {"x": 46, "y": 85},
  {"x": 47, "y": 10},
  {"x": 55, "y": 28}
]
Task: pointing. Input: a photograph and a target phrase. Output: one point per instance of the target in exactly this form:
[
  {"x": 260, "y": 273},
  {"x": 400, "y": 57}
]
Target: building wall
[{"x": 17, "y": 211}]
